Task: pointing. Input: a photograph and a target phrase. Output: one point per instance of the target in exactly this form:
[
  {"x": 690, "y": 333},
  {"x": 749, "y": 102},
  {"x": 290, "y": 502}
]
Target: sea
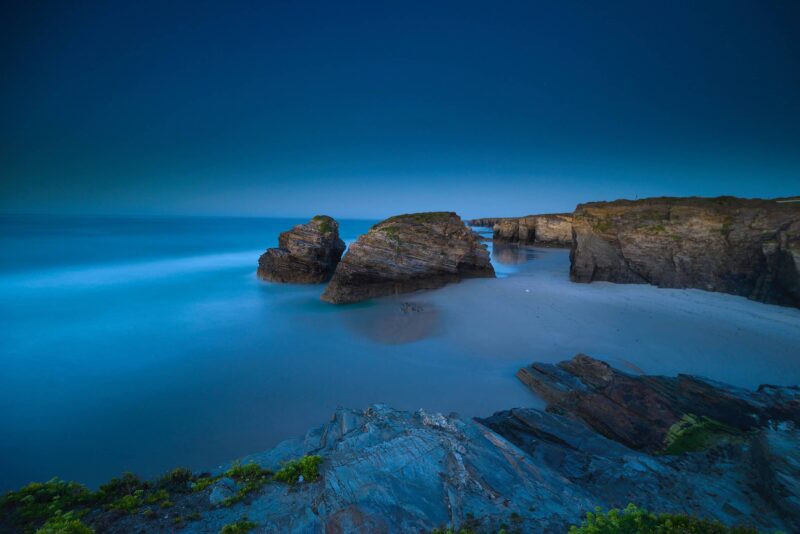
[{"x": 143, "y": 344}]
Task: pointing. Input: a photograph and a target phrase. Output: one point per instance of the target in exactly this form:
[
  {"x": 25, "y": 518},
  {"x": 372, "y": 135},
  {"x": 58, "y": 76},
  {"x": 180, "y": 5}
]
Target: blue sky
[{"x": 369, "y": 109}]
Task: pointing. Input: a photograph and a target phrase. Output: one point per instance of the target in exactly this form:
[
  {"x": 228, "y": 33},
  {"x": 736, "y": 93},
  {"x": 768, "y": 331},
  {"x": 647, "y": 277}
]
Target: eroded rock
[
  {"x": 746, "y": 247},
  {"x": 553, "y": 230},
  {"x": 306, "y": 254},
  {"x": 407, "y": 253}
]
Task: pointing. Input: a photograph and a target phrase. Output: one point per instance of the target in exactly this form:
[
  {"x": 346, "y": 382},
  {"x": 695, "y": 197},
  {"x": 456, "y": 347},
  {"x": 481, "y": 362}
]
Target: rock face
[
  {"x": 407, "y": 253},
  {"x": 306, "y": 254},
  {"x": 641, "y": 411},
  {"x": 554, "y": 230},
  {"x": 535, "y": 471},
  {"x": 745, "y": 247}
]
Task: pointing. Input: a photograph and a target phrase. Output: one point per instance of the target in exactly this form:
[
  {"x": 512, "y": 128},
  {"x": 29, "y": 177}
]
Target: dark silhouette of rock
[
  {"x": 306, "y": 254},
  {"x": 746, "y": 247},
  {"x": 408, "y": 253}
]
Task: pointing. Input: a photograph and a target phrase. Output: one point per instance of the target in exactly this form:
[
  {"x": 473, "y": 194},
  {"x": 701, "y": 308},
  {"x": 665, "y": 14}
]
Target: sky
[{"x": 367, "y": 109}]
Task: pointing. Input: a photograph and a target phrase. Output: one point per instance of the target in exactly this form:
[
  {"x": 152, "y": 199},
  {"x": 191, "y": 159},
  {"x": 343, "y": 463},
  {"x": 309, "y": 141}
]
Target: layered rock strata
[
  {"x": 554, "y": 230},
  {"x": 407, "y": 253},
  {"x": 746, "y": 247},
  {"x": 306, "y": 254}
]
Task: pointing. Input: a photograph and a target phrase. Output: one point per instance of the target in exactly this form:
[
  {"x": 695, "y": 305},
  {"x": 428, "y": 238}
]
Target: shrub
[
  {"x": 307, "y": 466},
  {"x": 694, "y": 433},
  {"x": 634, "y": 520},
  {"x": 38, "y": 502},
  {"x": 64, "y": 524},
  {"x": 115, "y": 488},
  {"x": 240, "y": 527},
  {"x": 250, "y": 477}
]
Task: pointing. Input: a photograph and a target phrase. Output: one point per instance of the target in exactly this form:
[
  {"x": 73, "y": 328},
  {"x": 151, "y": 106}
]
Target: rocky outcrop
[
  {"x": 407, "y": 253},
  {"x": 554, "y": 230},
  {"x": 306, "y": 254},
  {"x": 642, "y": 412},
  {"x": 746, "y": 247},
  {"x": 384, "y": 470}
]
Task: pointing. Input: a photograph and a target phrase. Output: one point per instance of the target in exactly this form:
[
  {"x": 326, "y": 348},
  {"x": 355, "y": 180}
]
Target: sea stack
[
  {"x": 306, "y": 254},
  {"x": 407, "y": 253},
  {"x": 747, "y": 247}
]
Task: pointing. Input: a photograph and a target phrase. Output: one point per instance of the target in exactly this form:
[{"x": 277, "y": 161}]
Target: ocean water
[{"x": 144, "y": 344}]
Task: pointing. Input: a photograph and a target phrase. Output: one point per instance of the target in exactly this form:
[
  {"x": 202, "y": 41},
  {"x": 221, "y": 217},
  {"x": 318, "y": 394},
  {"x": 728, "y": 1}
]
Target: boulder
[
  {"x": 651, "y": 412},
  {"x": 408, "y": 253},
  {"x": 306, "y": 254},
  {"x": 746, "y": 247},
  {"x": 553, "y": 230}
]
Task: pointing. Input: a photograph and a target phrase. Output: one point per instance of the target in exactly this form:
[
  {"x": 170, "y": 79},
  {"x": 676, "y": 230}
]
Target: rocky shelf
[{"x": 684, "y": 445}]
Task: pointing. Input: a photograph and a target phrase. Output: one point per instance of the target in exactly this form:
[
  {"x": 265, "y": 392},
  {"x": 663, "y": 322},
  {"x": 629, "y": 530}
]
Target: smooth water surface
[{"x": 144, "y": 344}]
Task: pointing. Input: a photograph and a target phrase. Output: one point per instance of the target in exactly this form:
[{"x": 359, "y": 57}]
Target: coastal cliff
[
  {"x": 747, "y": 247},
  {"x": 406, "y": 253},
  {"x": 553, "y": 230},
  {"x": 306, "y": 254},
  {"x": 678, "y": 445}
]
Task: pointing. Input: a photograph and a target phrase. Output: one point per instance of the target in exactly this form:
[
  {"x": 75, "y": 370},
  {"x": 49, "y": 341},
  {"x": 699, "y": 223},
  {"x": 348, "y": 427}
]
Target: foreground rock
[
  {"x": 745, "y": 247},
  {"x": 385, "y": 470},
  {"x": 408, "y": 253},
  {"x": 306, "y": 254},
  {"x": 553, "y": 230}
]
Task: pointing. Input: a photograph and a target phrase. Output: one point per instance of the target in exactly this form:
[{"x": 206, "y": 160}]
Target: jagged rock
[
  {"x": 640, "y": 411},
  {"x": 306, "y": 254},
  {"x": 386, "y": 471},
  {"x": 407, "y": 253},
  {"x": 746, "y": 247},
  {"x": 553, "y": 230}
]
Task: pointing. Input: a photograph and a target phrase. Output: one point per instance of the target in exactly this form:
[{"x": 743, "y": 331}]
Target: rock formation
[
  {"x": 641, "y": 411},
  {"x": 306, "y": 254},
  {"x": 553, "y": 230},
  {"x": 407, "y": 253},
  {"x": 746, "y": 247},
  {"x": 486, "y": 222},
  {"x": 723, "y": 453}
]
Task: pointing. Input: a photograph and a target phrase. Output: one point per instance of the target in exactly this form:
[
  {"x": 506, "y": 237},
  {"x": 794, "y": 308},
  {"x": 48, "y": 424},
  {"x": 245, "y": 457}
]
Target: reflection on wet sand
[
  {"x": 512, "y": 254},
  {"x": 395, "y": 322}
]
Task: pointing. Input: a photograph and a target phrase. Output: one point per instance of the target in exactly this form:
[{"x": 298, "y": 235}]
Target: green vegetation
[
  {"x": 633, "y": 520},
  {"x": 307, "y": 466},
  {"x": 391, "y": 233},
  {"x": 325, "y": 223},
  {"x": 424, "y": 217},
  {"x": 64, "y": 524},
  {"x": 240, "y": 527},
  {"x": 659, "y": 229},
  {"x": 693, "y": 433},
  {"x": 250, "y": 477},
  {"x": 39, "y": 502},
  {"x": 58, "y": 506},
  {"x": 176, "y": 480},
  {"x": 203, "y": 482}
]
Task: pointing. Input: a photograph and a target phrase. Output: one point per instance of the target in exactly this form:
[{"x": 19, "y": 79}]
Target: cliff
[
  {"x": 746, "y": 247},
  {"x": 306, "y": 254},
  {"x": 408, "y": 253},
  {"x": 553, "y": 230}
]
